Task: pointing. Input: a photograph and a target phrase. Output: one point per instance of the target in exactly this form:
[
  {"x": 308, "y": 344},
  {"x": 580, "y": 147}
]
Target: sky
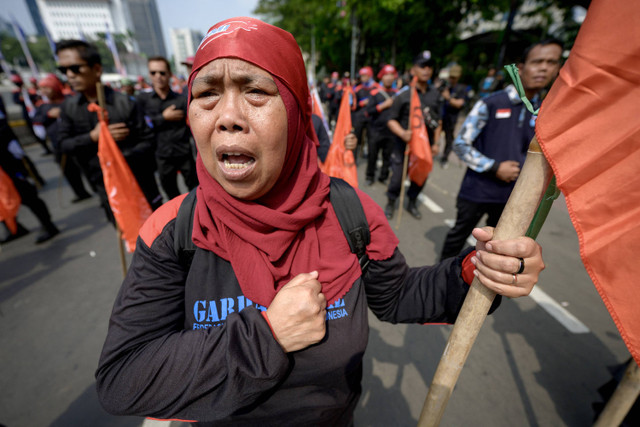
[{"x": 195, "y": 14}]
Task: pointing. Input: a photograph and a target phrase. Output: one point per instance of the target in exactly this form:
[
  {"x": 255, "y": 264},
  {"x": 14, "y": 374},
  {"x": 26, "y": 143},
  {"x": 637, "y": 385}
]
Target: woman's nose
[{"x": 231, "y": 117}]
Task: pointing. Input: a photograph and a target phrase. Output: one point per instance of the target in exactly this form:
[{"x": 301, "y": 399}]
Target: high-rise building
[
  {"x": 184, "y": 42},
  {"x": 35, "y": 16},
  {"x": 146, "y": 27},
  {"x": 82, "y": 19}
]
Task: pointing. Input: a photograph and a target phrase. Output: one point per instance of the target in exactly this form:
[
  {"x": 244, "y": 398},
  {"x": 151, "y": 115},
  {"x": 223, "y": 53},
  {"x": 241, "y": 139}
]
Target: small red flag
[
  {"x": 128, "y": 204},
  {"x": 589, "y": 131},
  {"x": 9, "y": 202},
  {"x": 340, "y": 162},
  {"x": 420, "y": 160}
]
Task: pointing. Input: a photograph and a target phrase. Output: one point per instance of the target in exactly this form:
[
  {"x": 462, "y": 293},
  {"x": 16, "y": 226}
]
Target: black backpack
[{"x": 345, "y": 202}]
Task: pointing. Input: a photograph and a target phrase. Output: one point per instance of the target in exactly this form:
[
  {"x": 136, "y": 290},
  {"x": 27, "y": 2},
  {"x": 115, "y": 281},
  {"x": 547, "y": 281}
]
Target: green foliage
[{"x": 394, "y": 31}]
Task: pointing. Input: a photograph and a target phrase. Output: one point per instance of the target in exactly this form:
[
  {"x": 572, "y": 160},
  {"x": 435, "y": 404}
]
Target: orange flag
[
  {"x": 340, "y": 162},
  {"x": 130, "y": 207},
  {"x": 9, "y": 202},
  {"x": 589, "y": 130},
  {"x": 420, "y": 160}
]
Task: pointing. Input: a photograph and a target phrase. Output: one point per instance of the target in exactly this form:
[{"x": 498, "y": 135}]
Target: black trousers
[
  {"x": 29, "y": 198},
  {"x": 379, "y": 141},
  {"x": 395, "y": 183},
  {"x": 168, "y": 169},
  {"x": 469, "y": 214},
  {"x": 448, "y": 127}
]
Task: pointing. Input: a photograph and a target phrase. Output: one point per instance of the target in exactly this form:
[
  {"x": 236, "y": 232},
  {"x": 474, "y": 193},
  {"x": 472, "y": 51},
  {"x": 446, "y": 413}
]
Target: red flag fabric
[
  {"x": 9, "y": 202},
  {"x": 130, "y": 207},
  {"x": 420, "y": 160},
  {"x": 589, "y": 131},
  {"x": 340, "y": 162}
]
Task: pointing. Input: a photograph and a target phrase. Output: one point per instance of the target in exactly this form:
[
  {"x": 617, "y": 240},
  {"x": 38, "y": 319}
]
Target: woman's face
[{"x": 239, "y": 122}]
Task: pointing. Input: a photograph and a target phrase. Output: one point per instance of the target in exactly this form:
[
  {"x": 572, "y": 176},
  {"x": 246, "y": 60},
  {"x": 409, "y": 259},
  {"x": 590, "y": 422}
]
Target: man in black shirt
[
  {"x": 431, "y": 102},
  {"x": 79, "y": 129},
  {"x": 165, "y": 112}
]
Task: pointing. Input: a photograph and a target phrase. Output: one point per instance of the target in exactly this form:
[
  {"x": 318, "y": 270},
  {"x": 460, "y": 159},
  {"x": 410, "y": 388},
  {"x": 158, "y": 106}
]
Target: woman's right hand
[{"x": 297, "y": 314}]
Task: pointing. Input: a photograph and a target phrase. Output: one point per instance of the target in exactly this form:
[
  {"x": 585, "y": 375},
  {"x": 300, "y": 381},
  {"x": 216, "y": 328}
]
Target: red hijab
[{"x": 293, "y": 228}]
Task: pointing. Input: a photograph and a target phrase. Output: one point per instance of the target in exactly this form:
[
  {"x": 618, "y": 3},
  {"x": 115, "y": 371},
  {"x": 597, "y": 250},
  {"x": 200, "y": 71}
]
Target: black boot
[
  {"x": 388, "y": 210},
  {"x": 48, "y": 232},
  {"x": 22, "y": 231},
  {"x": 413, "y": 209}
]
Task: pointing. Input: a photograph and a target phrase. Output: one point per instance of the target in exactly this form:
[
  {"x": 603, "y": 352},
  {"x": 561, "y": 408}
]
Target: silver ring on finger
[{"x": 514, "y": 281}]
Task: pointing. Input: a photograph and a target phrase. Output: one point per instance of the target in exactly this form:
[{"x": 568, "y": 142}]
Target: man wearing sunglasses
[
  {"x": 165, "y": 112},
  {"x": 79, "y": 129}
]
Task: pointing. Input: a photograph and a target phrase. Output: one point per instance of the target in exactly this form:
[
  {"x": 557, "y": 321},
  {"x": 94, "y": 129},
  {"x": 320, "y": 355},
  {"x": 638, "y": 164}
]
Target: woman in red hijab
[{"x": 268, "y": 324}]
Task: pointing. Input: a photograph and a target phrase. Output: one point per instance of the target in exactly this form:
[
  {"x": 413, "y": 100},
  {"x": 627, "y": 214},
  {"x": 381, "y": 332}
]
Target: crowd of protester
[{"x": 148, "y": 121}]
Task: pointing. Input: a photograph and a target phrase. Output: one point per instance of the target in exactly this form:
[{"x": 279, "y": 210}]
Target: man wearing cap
[
  {"x": 493, "y": 142},
  {"x": 431, "y": 102},
  {"x": 165, "y": 112},
  {"x": 380, "y": 138},
  {"x": 455, "y": 96},
  {"x": 188, "y": 64}
]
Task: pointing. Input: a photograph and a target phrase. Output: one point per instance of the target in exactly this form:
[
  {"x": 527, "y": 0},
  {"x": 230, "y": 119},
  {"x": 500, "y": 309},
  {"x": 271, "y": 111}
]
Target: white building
[
  {"x": 78, "y": 19},
  {"x": 184, "y": 43}
]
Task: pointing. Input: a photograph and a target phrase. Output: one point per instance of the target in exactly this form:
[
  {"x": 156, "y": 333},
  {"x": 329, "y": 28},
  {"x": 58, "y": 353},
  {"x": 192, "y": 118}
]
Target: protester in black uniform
[
  {"x": 431, "y": 102},
  {"x": 28, "y": 106},
  {"x": 455, "y": 98},
  {"x": 359, "y": 116},
  {"x": 47, "y": 115},
  {"x": 268, "y": 323},
  {"x": 381, "y": 139},
  {"x": 11, "y": 163},
  {"x": 80, "y": 129},
  {"x": 165, "y": 112}
]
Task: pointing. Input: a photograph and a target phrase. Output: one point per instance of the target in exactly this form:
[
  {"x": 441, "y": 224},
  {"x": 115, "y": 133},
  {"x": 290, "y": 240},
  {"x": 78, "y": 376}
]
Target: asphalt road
[{"x": 527, "y": 368}]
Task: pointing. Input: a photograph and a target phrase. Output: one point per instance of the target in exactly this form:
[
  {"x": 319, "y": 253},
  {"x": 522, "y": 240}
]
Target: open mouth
[{"x": 237, "y": 161}]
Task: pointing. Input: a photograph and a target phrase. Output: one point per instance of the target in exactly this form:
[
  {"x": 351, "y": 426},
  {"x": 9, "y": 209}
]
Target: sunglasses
[
  {"x": 75, "y": 69},
  {"x": 162, "y": 73}
]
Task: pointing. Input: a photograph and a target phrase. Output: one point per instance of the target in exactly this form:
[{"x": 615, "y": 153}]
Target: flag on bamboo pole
[
  {"x": 9, "y": 202},
  {"x": 111, "y": 43},
  {"x": 589, "y": 131},
  {"x": 25, "y": 48},
  {"x": 128, "y": 204},
  {"x": 317, "y": 108},
  {"x": 52, "y": 44},
  {"x": 420, "y": 160},
  {"x": 340, "y": 162}
]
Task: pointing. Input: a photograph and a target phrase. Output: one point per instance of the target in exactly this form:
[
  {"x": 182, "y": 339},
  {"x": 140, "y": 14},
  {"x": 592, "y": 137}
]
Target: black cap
[{"x": 424, "y": 59}]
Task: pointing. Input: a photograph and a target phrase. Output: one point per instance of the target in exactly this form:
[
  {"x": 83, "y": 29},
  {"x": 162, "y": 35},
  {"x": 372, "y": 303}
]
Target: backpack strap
[
  {"x": 343, "y": 197},
  {"x": 353, "y": 221},
  {"x": 182, "y": 244}
]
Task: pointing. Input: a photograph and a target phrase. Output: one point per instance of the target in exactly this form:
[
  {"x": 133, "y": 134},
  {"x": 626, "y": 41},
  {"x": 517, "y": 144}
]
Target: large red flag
[
  {"x": 420, "y": 160},
  {"x": 130, "y": 207},
  {"x": 589, "y": 130},
  {"x": 340, "y": 162},
  {"x": 9, "y": 202}
]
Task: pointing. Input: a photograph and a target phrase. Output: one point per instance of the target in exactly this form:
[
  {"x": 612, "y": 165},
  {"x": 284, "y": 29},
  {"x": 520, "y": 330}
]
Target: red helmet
[
  {"x": 387, "y": 69},
  {"x": 366, "y": 71}
]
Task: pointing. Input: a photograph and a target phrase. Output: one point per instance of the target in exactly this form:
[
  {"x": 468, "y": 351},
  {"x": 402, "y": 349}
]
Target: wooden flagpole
[
  {"x": 123, "y": 259},
  {"x": 516, "y": 217},
  {"x": 622, "y": 399}
]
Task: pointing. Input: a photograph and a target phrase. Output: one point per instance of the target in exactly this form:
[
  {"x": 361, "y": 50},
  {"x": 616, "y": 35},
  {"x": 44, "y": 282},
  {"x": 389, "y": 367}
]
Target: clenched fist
[{"x": 297, "y": 313}]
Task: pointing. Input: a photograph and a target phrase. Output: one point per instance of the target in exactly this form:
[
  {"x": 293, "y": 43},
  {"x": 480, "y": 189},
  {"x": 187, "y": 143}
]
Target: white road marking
[
  {"x": 471, "y": 241},
  {"x": 558, "y": 312},
  {"x": 155, "y": 423},
  {"x": 430, "y": 204}
]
